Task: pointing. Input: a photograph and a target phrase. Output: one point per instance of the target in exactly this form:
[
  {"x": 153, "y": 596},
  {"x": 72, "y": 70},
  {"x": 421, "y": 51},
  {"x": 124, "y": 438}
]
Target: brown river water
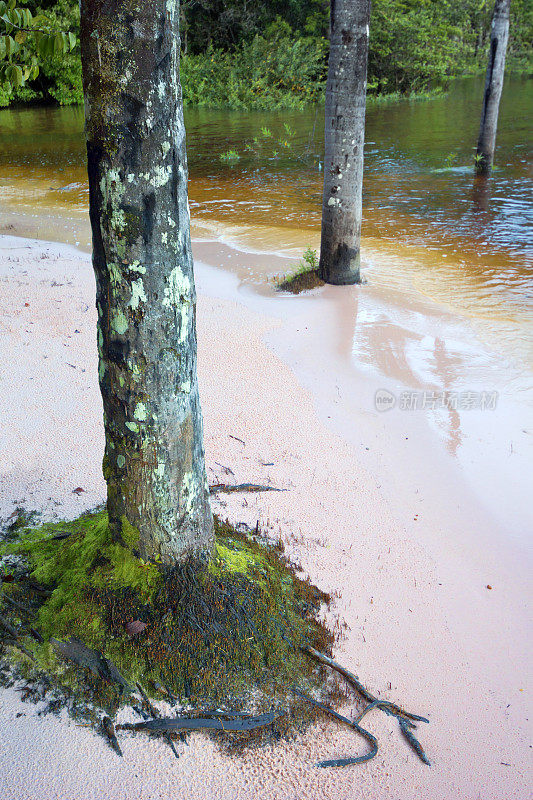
[{"x": 426, "y": 222}]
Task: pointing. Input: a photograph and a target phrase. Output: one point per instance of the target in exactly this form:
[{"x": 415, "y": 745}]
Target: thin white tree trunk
[
  {"x": 344, "y": 142},
  {"x": 493, "y": 87}
]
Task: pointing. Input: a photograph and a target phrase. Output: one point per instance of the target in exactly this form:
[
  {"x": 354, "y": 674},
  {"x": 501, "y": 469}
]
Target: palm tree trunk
[
  {"x": 145, "y": 296},
  {"x": 493, "y": 87},
  {"x": 345, "y": 134}
]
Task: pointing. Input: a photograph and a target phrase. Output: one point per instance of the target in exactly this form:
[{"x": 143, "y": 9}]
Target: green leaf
[
  {"x": 58, "y": 43},
  {"x": 5, "y": 18},
  {"x": 14, "y": 75},
  {"x": 10, "y": 46}
]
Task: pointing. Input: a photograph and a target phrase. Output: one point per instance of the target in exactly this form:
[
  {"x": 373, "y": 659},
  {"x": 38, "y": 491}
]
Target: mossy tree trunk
[
  {"x": 493, "y": 87},
  {"x": 344, "y": 142},
  {"x": 154, "y": 458}
]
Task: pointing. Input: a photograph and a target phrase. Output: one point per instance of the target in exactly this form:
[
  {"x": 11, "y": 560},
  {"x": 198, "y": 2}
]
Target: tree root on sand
[
  {"x": 405, "y": 719},
  {"x": 155, "y": 713}
]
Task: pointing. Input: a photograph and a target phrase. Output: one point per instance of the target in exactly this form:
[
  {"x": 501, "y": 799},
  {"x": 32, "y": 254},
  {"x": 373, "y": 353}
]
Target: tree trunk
[
  {"x": 493, "y": 87},
  {"x": 145, "y": 296},
  {"x": 345, "y": 134}
]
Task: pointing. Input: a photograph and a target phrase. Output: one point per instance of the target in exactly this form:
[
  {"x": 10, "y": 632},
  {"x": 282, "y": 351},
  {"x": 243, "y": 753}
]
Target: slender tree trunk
[
  {"x": 154, "y": 458},
  {"x": 493, "y": 87},
  {"x": 345, "y": 134}
]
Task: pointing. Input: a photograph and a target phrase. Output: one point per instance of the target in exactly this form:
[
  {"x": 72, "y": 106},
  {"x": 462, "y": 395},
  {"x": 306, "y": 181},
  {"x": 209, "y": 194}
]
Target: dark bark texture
[
  {"x": 493, "y": 87},
  {"x": 344, "y": 142},
  {"x": 154, "y": 458}
]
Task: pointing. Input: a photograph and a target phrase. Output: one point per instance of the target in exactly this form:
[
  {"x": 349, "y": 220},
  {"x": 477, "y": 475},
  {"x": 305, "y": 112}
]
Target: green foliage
[
  {"x": 26, "y": 41},
  {"x": 230, "y": 157},
  {"x": 420, "y": 45},
  {"x": 274, "y": 70},
  {"x": 60, "y": 76},
  {"x": 415, "y": 45},
  {"x": 519, "y": 54},
  {"x": 270, "y": 54},
  {"x": 226, "y": 24}
]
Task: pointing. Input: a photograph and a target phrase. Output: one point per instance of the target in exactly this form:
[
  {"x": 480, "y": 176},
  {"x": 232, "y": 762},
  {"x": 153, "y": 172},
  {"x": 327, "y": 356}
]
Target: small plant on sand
[{"x": 304, "y": 277}]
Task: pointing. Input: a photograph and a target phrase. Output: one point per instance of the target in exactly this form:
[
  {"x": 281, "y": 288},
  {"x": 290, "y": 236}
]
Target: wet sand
[{"x": 408, "y": 514}]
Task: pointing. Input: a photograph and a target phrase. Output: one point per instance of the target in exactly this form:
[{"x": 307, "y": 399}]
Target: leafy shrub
[{"x": 275, "y": 70}]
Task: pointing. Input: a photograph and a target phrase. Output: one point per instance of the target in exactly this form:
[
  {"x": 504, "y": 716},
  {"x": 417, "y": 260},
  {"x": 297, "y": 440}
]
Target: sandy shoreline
[{"x": 410, "y": 549}]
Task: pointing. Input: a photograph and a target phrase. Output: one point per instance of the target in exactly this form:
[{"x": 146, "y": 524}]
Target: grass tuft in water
[{"x": 304, "y": 277}]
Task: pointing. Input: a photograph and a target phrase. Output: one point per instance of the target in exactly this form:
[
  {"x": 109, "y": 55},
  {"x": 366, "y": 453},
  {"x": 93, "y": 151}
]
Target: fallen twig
[
  {"x": 61, "y": 535},
  {"x": 35, "y": 587},
  {"x": 168, "y": 724},
  {"x": 12, "y": 602},
  {"x": 242, "y": 487},
  {"x": 8, "y": 628},
  {"x": 13, "y": 634},
  {"x": 226, "y": 470}
]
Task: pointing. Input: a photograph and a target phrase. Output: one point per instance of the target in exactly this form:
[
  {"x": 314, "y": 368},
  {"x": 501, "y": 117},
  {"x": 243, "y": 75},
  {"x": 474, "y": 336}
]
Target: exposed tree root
[
  {"x": 155, "y": 713},
  {"x": 405, "y": 727},
  {"x": 343, "y": 762},
  {"x": 353, "y": 680},
  {"x": 74, "y": 650},
  {"x": 405, "y": 718},
  {"x": 109, "y": 730}
]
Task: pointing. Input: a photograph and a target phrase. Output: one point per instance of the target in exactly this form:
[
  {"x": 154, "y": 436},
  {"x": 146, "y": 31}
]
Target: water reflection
[
  {"x": 481, "y": 197},
  {"x": 429, "y": 360}
]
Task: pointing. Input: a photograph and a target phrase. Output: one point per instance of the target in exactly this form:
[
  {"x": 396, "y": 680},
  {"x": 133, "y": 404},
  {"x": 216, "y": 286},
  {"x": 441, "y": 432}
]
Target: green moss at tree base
[{"x": 228, "y": 634}]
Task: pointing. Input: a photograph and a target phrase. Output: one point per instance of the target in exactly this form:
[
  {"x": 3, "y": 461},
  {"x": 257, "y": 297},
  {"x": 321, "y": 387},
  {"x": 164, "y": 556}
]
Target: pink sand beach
[{"x": 417, "y": 517}]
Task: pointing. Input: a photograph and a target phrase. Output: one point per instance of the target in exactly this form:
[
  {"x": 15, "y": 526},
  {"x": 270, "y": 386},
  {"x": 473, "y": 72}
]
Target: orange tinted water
[{"x": 426, "y": 221}]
